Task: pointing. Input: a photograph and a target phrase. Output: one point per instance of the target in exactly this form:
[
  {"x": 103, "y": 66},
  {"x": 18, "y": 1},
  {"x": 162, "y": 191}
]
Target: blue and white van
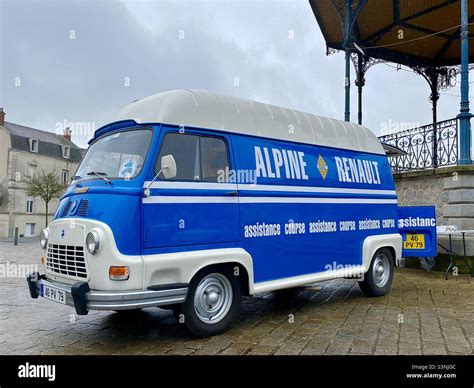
[{"x": 190, "y": 200}]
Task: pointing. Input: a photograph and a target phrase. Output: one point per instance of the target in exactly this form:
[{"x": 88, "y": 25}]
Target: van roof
[{"x": 205, "y": 109}]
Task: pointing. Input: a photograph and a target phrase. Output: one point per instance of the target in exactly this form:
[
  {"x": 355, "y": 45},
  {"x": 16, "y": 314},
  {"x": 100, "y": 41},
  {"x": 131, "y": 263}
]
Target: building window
[
  {"x": 30, "y": 230},
  {"x": 31, "y": 170},
  {"x": 34, "y": 144},
  {"x": 65, "y": 176},
  {"x": 30, "y": 204},
  {"x": 66, "y": 152}
]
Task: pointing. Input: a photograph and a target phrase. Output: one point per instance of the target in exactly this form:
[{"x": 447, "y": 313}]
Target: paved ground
[{"x": 423, "y": 314}]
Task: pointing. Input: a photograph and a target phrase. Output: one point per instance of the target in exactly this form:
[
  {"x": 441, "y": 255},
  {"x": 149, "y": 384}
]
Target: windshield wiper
[{"x": 99, "y": 174}]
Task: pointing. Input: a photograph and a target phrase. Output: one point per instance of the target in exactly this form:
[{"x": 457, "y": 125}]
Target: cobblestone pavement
[{"x": 423, "y": 314}]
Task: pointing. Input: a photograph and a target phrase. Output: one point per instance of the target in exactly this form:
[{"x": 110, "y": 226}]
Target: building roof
[
  {"x": 49, "y": 143},
  {"x": 205, "y": 109}
]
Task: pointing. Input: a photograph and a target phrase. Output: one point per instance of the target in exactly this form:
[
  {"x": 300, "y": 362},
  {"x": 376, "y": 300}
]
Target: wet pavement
[{"x": 423, "y": 314}]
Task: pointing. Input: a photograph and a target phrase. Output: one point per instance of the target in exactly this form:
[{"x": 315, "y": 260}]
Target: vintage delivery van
[{"x": 190, "y": 200}]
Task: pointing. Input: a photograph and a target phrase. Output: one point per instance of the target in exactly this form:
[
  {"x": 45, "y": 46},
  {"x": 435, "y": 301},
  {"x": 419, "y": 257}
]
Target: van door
[{"x": 199, "y": 206}]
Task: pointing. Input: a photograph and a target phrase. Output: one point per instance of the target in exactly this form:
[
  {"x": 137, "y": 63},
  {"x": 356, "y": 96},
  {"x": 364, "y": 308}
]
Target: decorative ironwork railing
[{"x": 423, "y": 149}]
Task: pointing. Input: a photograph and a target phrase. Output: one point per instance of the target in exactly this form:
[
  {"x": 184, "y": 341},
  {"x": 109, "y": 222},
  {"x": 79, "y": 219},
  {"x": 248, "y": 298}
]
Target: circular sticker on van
[{"x": 128, "y": 169}]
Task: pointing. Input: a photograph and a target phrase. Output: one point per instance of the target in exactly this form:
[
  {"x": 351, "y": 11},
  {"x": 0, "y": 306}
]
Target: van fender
[
  {"x": 372, "y": 243},
  {"x": 181, "y": 267}
]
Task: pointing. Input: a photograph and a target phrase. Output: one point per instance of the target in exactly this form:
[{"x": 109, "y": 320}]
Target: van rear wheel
[
  {"x": 378, "y": 279},
  {"x": 212, "y": 303}
]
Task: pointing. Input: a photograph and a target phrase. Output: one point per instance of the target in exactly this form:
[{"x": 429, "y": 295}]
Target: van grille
[
  {"x": 66, "y": 260},
  {"x": 66, "y": 208},
  {"x": 83, "y": 208}
]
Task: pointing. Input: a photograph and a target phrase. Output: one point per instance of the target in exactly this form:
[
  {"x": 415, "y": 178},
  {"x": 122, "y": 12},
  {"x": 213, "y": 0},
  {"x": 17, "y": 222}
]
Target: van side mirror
[{"x": 168, "y": 166}]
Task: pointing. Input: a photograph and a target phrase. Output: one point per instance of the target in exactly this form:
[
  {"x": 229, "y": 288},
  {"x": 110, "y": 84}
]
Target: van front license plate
[
  {"x": 414, "y": 241},
  {"x": 53, "y": 294}
]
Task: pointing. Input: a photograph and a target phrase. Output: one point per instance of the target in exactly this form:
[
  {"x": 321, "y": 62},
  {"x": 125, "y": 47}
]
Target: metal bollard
[{"x": 15, "y": 241}]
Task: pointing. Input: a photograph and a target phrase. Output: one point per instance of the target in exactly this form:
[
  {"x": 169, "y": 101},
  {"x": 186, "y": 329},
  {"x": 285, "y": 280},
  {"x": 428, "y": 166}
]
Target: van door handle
[{"x": 231, "y": 194}]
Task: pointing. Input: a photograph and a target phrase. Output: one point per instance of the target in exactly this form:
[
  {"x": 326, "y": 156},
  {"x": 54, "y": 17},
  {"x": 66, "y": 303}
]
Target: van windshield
[{"x": 119, "y": 155}]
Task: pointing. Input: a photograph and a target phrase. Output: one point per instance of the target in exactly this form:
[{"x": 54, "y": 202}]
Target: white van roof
[{"x": 205, "y": 109}]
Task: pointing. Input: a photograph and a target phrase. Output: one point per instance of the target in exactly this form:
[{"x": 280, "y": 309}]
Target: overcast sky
[{"x": 79, "y": 62}]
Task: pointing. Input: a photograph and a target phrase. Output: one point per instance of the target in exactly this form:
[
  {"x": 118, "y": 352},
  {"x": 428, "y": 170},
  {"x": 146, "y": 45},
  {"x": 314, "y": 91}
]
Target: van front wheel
[
  {"x": 378, "y": 279},
  {"x": 212, "y": 303}
]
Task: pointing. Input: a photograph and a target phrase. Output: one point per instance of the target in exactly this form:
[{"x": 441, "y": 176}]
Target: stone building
[{"x": 25, "y": 152}]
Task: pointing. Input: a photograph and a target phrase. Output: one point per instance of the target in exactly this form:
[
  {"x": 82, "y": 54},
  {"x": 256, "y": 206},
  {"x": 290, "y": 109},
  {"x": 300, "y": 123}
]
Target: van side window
[
  {"x": 185, "y": 150},
  {"x": 214, "y": 158},
  {"x": 198, "y": 158}
]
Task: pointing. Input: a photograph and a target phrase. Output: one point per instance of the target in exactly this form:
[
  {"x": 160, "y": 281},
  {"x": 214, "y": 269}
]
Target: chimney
[
  {"x": 2, "y": 117},
  {"x": 68, "y": 133}
]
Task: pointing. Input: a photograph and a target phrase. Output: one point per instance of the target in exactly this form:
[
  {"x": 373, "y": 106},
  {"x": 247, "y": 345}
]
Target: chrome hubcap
[
  {"x": 213, "y": 298},
  {"x": 381, "y": 270}
]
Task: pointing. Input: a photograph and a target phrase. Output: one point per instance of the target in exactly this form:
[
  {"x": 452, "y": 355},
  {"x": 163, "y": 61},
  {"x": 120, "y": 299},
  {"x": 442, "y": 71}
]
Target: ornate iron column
[
  {"x": 361, "y": 65},
  {"x": 438, "y": 78},
  {"x": 465, "y": 115},
  {"x": 431, "y": 74},
  {"x": 347, "y": 45},
  {"x": 348, "y": 12},
  {"x": 360, "y": 83},
  {"x": 434, "y": 97}
]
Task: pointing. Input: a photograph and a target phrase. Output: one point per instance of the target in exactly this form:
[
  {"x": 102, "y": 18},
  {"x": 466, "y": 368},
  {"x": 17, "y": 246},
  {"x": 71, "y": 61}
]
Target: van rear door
[{"x": 198, "y": 206}]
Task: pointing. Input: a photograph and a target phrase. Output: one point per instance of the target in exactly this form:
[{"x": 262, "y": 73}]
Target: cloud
[{"x": 121, "y": 51}]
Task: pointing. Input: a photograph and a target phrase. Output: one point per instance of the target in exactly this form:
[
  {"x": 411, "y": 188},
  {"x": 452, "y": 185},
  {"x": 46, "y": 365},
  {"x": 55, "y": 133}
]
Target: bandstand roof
[{"x": 429, "y": 29}]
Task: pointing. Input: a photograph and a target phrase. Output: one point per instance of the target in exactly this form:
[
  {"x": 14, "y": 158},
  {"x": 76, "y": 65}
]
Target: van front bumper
[{"x": 83, "y": 299}]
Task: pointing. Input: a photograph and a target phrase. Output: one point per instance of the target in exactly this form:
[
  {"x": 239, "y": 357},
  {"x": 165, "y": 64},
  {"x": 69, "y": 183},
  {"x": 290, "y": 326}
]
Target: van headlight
[
  {"x": 92, "y": 242},
  {"x": 44, "y": 235}
]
